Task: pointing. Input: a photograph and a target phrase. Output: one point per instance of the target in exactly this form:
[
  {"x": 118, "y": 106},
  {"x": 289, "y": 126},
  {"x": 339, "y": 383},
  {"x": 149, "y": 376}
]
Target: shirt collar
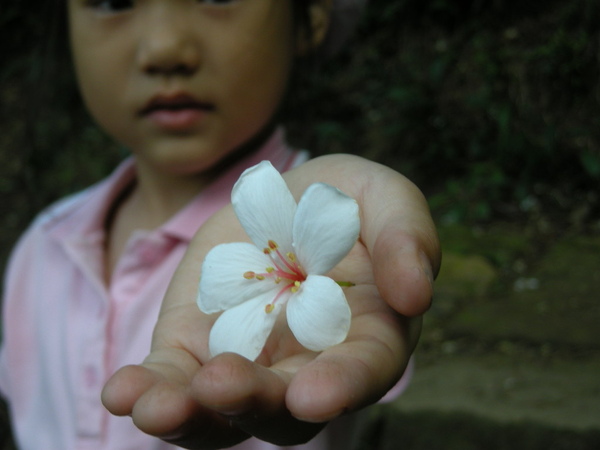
[
  {"x": 79, "y": 219},
  {"x": 81, "y": 216},
  {"x": 218, "y": 194}
]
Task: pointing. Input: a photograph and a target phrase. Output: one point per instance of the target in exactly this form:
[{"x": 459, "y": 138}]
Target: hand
[{"x": 183, "y": 396}]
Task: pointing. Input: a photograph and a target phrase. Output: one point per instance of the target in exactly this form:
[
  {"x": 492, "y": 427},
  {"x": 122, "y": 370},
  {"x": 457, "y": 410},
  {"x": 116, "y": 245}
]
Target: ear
[{"x": 319, "y": 16}]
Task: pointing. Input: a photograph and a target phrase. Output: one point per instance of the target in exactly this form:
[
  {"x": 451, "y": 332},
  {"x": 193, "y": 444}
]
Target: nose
[{"x": 168, "y": 44}]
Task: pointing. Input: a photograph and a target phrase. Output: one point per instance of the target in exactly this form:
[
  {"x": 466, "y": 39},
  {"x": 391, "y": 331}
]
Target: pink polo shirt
[{"x": 65, "y": 331}]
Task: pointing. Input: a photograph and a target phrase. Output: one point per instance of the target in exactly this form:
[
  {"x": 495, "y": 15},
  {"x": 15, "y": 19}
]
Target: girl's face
[{"x": 182, "y": 83}]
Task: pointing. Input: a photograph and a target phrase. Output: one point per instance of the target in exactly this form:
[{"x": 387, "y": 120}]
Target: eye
[{"x": 111, "y": 5}]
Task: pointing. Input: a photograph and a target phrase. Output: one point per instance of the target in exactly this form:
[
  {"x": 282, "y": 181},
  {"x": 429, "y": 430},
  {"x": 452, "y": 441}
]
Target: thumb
[{"x": 402, "y": 239}]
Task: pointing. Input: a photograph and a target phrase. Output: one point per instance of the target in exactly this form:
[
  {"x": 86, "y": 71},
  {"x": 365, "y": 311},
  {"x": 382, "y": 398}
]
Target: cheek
[
  {"x": 102, "y": 91},
  {"x": 98, "y": 59},
  {"x": 259, "y": 57},
  {"x": 94, "y": 92},
  {"x": 89, "y": 75},
  {"x": 261, "y": 75}
]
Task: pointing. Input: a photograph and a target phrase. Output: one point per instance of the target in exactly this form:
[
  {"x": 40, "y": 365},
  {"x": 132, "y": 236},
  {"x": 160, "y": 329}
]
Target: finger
[
  {"x": 169, "y": 412},
  {"x": 152, "y": 394},
  {"x": 401, "y": 237},
  {"x": 396, "y": 226},
  {"x": 166, "y": 410},
  {"x": 354, "y": 374},
  {"x": 403, "y": 269},
  {"x": 253, "y": 397},
  {"x": 125, "y": 387}
]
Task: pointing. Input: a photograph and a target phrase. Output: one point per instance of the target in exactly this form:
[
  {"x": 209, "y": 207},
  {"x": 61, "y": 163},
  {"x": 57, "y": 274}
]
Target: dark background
[{"x": 490, "y": 106}]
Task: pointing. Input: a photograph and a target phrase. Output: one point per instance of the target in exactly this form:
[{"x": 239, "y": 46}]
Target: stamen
[
  {"x": 294, "y": 269},
  {"x": 282, "y": 292},
  {"x": 269, "y": 308},
  {"x": 285, "y": 268}
]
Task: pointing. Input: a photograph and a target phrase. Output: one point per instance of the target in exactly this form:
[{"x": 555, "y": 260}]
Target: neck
[
  {"x": 157, "y": 197},
  {"x": 148, "y": 204},
  {"x": 160, "y": 195}
]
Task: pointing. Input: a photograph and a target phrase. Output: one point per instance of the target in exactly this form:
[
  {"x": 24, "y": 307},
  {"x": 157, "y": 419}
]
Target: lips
[{"x": 179, "y": 112}]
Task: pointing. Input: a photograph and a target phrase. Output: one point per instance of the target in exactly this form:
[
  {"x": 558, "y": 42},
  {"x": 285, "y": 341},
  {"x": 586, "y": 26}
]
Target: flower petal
[
  {"x": 326, "y": 227},
  {"x": 222, "y": 282},
  {"x": 264, "y": 206},
  {"x": 318, "y": 314},
  {"x": 244, "y": 329}
]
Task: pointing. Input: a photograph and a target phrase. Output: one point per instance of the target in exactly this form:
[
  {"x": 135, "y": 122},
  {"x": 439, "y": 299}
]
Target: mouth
[
  {"x": 179, "y": 112},
  {"x": 179, "y": 102}
]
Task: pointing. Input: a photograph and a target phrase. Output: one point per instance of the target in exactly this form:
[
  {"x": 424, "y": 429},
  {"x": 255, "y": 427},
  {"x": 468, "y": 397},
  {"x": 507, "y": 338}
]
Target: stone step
[
  {"x": 554, "y": 392},
  {"x": 491, "y": 402},
  {"x": 510, "y": 352},
  {"x": 391, "y": 429}
]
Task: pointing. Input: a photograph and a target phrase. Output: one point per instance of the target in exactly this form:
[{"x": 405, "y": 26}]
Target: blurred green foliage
[{"x": 490, "y": 106}]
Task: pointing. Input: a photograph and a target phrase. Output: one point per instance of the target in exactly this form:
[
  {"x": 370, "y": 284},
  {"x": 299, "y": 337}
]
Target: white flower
[{"x": 294, "y": 246}]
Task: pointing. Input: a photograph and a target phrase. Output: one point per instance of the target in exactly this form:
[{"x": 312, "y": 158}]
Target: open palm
[{"x": 183, "y": 396}]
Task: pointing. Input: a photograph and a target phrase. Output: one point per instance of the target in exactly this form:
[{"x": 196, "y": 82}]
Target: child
[{"x": 192, "y": 89}]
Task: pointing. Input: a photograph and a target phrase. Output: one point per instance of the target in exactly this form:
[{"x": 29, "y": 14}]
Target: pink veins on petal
[{"x": 285, "y": 269}]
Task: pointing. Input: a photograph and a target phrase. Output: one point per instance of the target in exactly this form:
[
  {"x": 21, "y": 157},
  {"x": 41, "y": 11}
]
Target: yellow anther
[
  {"x": 270, "y": 269},
  {"x": 269, "y": 308},
  {"x": 249, "y": 275},
  {"x": 267, "y": 251},
  {"x": 296, "y": 286},
  {"x": 273, "y": 245},
  {"x": 277, "y": 280},
  {"x": 260, "y": 277},
  {"x": 291, "y": 256}
]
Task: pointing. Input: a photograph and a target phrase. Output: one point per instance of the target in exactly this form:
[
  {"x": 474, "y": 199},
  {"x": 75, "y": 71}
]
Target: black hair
[{"x": 301, "y": 13}]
